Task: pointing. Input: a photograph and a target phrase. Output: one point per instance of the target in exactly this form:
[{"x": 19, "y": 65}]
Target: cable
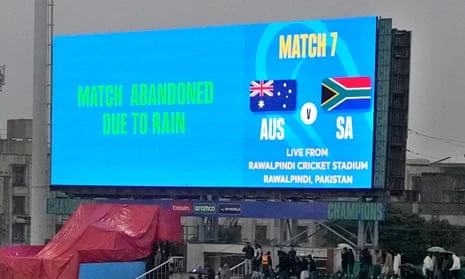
[
  {"x": 425, "y": 156},
  {"x": 435, "y": 137},
  {"x": 444, "y": 140},
  {"x": 441, "y": 139},
  {"x": 398, "y": 228}
]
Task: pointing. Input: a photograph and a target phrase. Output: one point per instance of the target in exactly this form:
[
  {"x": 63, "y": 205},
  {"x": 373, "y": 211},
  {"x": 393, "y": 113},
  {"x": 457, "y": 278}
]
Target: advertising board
[
  {"x": 283, "y": 105},
  {"x": 333, "y": 211}
]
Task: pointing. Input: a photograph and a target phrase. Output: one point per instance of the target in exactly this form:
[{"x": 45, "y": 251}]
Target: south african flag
[{"x": 346, "y": 93}]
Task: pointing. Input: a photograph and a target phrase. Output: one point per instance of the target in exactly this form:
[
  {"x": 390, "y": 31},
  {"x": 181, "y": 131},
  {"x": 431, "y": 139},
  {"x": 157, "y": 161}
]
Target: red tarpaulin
[{"x": 94, "y": 233}]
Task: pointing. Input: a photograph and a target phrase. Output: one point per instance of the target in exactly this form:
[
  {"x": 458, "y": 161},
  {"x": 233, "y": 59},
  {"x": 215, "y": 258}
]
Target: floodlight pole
[{"x": 40, "y": 160}]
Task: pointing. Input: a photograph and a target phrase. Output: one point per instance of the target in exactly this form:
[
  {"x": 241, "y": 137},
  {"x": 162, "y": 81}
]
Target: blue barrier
[{"x": 124, "y": 270}]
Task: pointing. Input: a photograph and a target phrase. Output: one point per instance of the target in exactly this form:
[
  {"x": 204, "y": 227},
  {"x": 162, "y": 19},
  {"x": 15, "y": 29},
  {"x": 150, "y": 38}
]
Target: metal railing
[
  {"x": 164, "y": 270},
  {"x": 238, "y": 271}
]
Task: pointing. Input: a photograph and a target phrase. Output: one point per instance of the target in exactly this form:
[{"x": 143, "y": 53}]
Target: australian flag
[{"x": 273, "y": 95}]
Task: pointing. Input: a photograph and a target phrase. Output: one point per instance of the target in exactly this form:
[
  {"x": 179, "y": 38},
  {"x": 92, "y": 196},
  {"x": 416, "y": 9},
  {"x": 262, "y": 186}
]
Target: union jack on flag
[
  {"x": 261, "y": 88},
  {"x": 273, "y": 95}
]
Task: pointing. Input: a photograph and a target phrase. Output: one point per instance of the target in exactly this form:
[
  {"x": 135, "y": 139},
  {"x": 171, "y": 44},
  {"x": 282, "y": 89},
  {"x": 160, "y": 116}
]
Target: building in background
[
  {"x": 436, "y": 182},
  {"x": 15, "y": 179},
  {"x": 435, "y": 190},
  {"x": 303, "y": 233}
]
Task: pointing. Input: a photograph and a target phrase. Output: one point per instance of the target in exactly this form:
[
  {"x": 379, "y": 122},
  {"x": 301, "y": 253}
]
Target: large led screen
[{"x": 286, "y": 105}]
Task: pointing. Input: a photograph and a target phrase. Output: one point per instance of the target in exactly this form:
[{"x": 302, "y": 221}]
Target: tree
[
  {"x": 411, "y": 235},
  {"x": 405, "y": 234}
]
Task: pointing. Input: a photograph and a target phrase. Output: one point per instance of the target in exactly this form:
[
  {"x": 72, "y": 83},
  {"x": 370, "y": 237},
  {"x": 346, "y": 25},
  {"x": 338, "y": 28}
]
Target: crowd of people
[
  {"x": 387, "y": 264},
  {"x": 383, "y": 264},
  {"x": 444, "y": 265},
  {"x": 259, "y": 264},
  {"x": 348, "y": 263}
]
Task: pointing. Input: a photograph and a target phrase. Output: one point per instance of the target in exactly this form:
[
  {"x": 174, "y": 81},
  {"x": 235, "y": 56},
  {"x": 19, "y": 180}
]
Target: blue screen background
[{"x": 221, "y": 138}]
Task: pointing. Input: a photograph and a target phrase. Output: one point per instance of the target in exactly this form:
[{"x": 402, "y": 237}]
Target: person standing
[
  {"x": 225, "y": 272},
  {"x": 386, "y": 272},
  {"x": 293, "y": 264},
  {"x": 248, "y": 258},
  {"x": 446, "y": 265},
  {"x": 345, "y": 261},
  {"x": 455, "y": 269},
  {"x": 312, "y": 271},
  {"x": 283, "y": 265},
  {"x": 365, "y": 264},
  {"x": 257, "y": 262},
  {"x": 379, "y": 261},
  {"x": 437, "y": 262},
  {"x": 304, "y": 271},
  {"x": 397, "y": 263},
  {"x": 428, "y": 266},
  {"x": 351, "y": 262},
  {"x": 267, "y": 265}
]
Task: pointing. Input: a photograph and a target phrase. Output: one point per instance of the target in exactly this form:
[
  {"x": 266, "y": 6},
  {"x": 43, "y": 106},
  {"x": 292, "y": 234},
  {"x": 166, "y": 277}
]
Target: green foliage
[
  {"x": 406, "y": 234},
  {"x": 410, "y": 235}
]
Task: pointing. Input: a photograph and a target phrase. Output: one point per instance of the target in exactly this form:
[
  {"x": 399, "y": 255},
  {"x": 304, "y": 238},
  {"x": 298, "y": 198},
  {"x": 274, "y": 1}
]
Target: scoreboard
[{"x": 281, "y": 105}]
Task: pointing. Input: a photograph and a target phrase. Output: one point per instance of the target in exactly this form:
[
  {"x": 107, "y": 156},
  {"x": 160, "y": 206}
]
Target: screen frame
[{"x": 145, "y": 191}]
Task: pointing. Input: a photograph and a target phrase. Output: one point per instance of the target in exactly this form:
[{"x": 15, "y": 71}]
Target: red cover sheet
[{"x": 94, "y": 233}]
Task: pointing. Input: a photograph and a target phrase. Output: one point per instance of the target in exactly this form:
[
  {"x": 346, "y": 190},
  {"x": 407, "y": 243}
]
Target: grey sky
[{"x": 437, "y": 97}]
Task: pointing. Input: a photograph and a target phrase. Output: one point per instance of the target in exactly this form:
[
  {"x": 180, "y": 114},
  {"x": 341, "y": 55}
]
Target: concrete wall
[
  {"x": 419, "y": 172},
  {"x": 12, "y": 153},
  {"x": 19, "y": 129},
  {"x": 248, "y": 227},
  {"x": 14, "y": 147},
  {"x": 456, "y": 220},
  {"x": 196, "y": 252},
  {"x": 415, "y": 168},
  {"x": 441, "y": 187},
  {"x": 452, "y": 212},
  {"x": 17, "y": 150}
]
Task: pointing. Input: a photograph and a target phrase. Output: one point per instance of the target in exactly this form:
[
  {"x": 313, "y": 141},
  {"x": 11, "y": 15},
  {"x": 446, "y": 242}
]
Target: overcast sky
[{"x": 437, "y": 98}]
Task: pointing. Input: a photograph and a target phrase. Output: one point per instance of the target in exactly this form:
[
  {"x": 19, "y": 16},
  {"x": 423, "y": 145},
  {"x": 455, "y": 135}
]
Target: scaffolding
[
  {"x": 398, "y": 110},
  {"x": 392, "y": 106}
]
